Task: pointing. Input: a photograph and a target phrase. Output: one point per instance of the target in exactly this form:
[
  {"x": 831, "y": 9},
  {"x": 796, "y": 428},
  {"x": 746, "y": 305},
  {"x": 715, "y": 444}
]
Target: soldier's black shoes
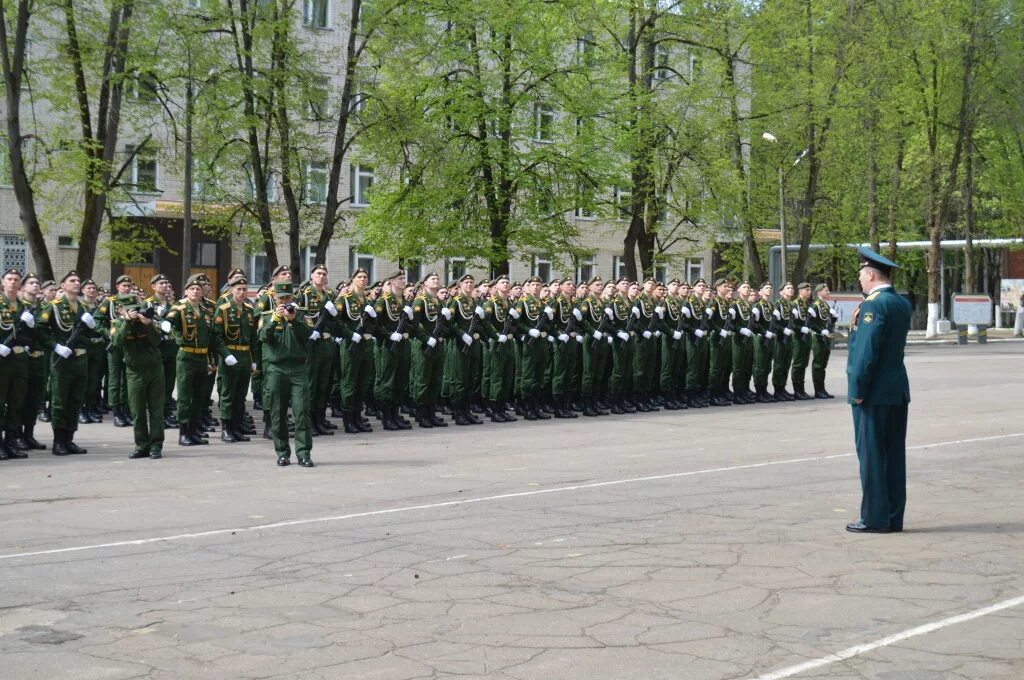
[
  {"x": 397, "y": 418},
  {"x": 460, "y": 417},
  {"x": 226, "y": 435},
  {"x": 240, "y": 430},
  {"x": 83, "y": 418},
  {"x": 119, "y": 419},
  {"x": 348, "y": 418},
  {"x": 284, "y": 460},
  {"x": 33, "y": 445},
  {"x": 859, "y": 527},
  {"x": 156, "y": 454},
  {"x": 257, "y": 404},
  {"x": 44, "y": 414},
  {"x": 306, "y": 462},
  {"x": 183, "y": 437},
  {"x": 73, "y": 447},
  {"x": 136, "y": 454},
  {"x": 266, "y": 431},
  {"x": 437, "y": 420}
]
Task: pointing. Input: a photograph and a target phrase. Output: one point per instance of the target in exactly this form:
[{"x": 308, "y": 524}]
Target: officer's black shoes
[
  {"x": 284, "y": 460},
  {"x": 350, "y": 423},
  {"x": 226, "y": 435},
  {"x": 13, "y": 447},
  {"x": 325, "y": 423},
  {"x": 859, "y": 527},
  {"x": 461, "y": 416},
  {"x": 95, "y": 415},
  {"x": 782, "y": 395},
  {"x": 84, "y": 418},
  {"x": 423, "y": 417},
  {"x": 306, "y": 462},
  {"x": 183, "y": 437},
  {"x": 197, "y": 436},
  {"x": 257, "y": 404},
  {"x": 59, "y": 449},
  {"x": 74, "y": 448},
  {"x": 44, "y": 414},
  {"x": 820, "y": 392},
  {"x": 119, "y": 419},
  {"x": 397, "y": 418},
  {"x": 437, "y": 420},
  {"x": 136, "y": 454},
  {"x": 239, "y": 430},
  {"x": 156, "y": 454}
]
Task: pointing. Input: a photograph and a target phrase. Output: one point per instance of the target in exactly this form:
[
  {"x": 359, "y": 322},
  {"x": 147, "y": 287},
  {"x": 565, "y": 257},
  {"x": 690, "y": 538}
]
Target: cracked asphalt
[{"x": 694, "y": 545}]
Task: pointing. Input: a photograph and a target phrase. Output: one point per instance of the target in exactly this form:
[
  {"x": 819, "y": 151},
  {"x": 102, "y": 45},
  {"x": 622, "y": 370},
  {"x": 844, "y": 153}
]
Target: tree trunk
[
  {"x": 894, "y": 198},
  {"x": 969, "y": 283},
  {"x": 289, "y": 156},
  {"x": 873, "y": 188},
  {"x": 752, "y": 265},
  {"x": 13, "y": 70}
]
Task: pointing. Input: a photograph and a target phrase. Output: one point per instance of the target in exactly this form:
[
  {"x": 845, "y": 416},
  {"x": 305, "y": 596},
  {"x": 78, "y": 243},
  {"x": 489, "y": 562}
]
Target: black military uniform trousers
[{"x": 880, "y": 434}]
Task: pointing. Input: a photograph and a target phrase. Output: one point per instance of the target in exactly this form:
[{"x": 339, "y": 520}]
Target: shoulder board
[
  {"x": 247, "y": 305},
  {"x": 872, "y": 296},
  {"x": 224, "y": 306}
]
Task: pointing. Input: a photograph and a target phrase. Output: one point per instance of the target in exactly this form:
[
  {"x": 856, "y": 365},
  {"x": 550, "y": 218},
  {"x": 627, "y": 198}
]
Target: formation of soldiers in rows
[{"x": 499, "y": 348}]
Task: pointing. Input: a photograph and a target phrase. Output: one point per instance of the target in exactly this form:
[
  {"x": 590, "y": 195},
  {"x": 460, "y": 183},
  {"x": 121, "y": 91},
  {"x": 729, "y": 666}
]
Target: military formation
[{"x": 308, "y": 354}]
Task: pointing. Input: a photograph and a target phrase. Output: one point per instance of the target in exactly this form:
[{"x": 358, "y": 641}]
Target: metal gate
[{"x": 13, "y": 253}]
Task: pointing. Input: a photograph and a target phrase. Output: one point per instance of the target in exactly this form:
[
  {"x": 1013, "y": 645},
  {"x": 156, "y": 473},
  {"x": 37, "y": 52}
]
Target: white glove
[
  {"x": 479, "y": 311},
  {"x": 27, "y": 319},
  {"x": 315, "y": 335},
  {"x": 813, "y": 312},
  {"x": 230, "y": 360},
  {"x": 534, "y": 333},
  {"x": 513, "y": 313},
  {"x": 724, "y": 333},
  {"x": 446, "y": 313},
  {"x": 252, "y": 367},
  {"x": 551, "y": 339},
  {"x": 833, "y": 312},
  {"x": 502, "y": 339},
  {"x": 395, "y": 337},
  {"x": 609, "y": 313},
  {"x": 578, "y": 314},
  {"x": 622, "y": 336},
  {"x": 165, "y": 326},
  {"x": 676, "y": 335},
  {"x": 636, "y": 312},
  {"x": 88, "y": 320},
  {"x": 431, "y": 341},
  {"x": 356, "y": 338},
  {"x": 337, "y": 341},
  {"x": 825, "y": 333},
  {"x": 710, "y": 311},
  {"x": 796, "y": 312},
  {"x": 804, "y": 330},
  {"x": 5, "y": 351},
  {"x": 467, "y": 338},
  {"x": 657, "y": 334},
  {"x": 563, "y": 337},
  {"x": 161, "y": 310},
  {"x": 685, "y": 311},
  {"x": 769, "y": 335},
  {"x": 331, "y": 309},
  {"x": 597, "y": 335},
  {"x": 777, "y": 315},
  {"x": 732, "y": 312},
  {"x": 699, "y": 333},
  {"x": 660, "y": 311},
  {"x": 550, "y": 312},
  {"x": 408, "y": 312},
  {"x": 579, "y": 339},
  {"x": 62, "y": 350},
  {"x": 746, "y": 332},
  {"x": 370, "y": 311},
  {"x": 787, "y": 331},
  {"x": 756, "y": 311},
  {"x": 611, "y": 340},
  {"x": 647, "y": 335}
]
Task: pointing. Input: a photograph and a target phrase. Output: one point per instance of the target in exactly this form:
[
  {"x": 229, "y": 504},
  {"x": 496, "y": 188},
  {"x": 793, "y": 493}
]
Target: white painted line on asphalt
[
  {"x": 471, "y": 501},
  {"x": 857, "y": 650}
]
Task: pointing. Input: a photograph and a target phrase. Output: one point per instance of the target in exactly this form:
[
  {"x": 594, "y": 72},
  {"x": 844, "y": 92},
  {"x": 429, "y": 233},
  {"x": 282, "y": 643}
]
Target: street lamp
[{"x": 782, "y": 207}]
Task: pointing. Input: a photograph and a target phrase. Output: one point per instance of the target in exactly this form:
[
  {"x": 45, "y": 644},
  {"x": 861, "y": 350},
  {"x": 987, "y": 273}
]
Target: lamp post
[{"x": 782, "y": 204}]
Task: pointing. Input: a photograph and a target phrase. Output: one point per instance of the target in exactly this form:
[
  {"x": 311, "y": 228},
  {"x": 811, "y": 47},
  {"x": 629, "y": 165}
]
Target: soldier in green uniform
[
  {"x": 741, "y": 312},
  {"x": 534, "y": 320},
  {"x": 566, "y": 329},
  {"x": 47, "y": 293},
  {"x": 645, "y": 348},
  {"x": 720, "y": 360},
  {"x": 95, "y": 344},
  {"x": 137, "y": 335},
  {"x": 500, "y": 315},
  {"x": 466, "y": 329},
  {"x": 782, "y": 324},
  {"x": 234, "y": 327},
  {"x": 764, "y": 342},
  {"x": 35, "y": 385},
  {"x": 162, "y": 301},
  {"x": 317, "y": 299},
  {"x": 673, "y": 350},
  {"x": 802, "y": 346},
  {"x": 16, "y": 324},
  {"x": 61, "y": 323},
  {"x": 820, "y": 319},
  {"x": 429, "y": 330},
  {"x": 622, "y": 313},
  {"x": 879, "y": 393},
  {"x": 355, "y": 319},
  {"x": 695, "y": 311},
  {"x": 209, "y": 384},
  {"x": 594, "y": 352},
  {"x": 393, "y": 330},
  {"x": 284, "y": 333},
  {"x": 191, "y": 324},
  {"x": 109, "y": 310}
]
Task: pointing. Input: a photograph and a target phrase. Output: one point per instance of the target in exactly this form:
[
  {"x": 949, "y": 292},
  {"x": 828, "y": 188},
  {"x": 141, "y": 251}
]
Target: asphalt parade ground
[{"x": 696, "y": 545}]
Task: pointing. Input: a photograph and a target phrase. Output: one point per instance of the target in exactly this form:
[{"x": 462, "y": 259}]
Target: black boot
[
  {"x": 423, "y": 417},
  {"x": 321, "y": 420},
  {"x": 507, "y": 411},
  {"x": 538, "y": 410},
  {"x": 44, "y": 414},
  {"x": 239, "y": 430},
  {"x": 5, "y": 452},
  {"x": 820, "y": 392},
  {"x": 16, "y": 445},
  {"x": 362, "y": 423},
  {"x": 497, "y": 414},
  {"x": 59, "y": 448},
  {"x": 226, "y": 435},
  {"x": 72, "y": 447},
  {"x": 257, "y": 404},
  {"x": 94, "y": 414},
  {"x": 800, "y": 393},
  {"x": 461, "y": 415},
  {"x": 397, "y": 418},
  {"x": 83, "y": 418},
  {"x": 325, "y": 422},
  {"x": 435, "y": 419},
  {"x": 782, "y": 395},
  {"x": 588, "y": 407},
  {"x": 119, "y": 419},
  {"x": 196, "y": 434},
  {"x": 183, "y": 437},
  {"x": 349, "y": 423},
  {"x": 29, "y": 437},
  {"x": 126, "y": 413}
]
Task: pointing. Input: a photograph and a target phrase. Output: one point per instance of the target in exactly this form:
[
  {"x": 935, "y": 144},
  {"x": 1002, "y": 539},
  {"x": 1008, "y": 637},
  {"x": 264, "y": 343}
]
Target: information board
[{"x": 972, "y": 310}]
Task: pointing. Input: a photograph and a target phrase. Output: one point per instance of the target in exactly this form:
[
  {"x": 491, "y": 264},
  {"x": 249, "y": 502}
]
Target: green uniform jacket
[
  {"x": 313, "y": 302},
  {"x": 425, "y": 308},
  {"x": 56, "y": 322},
  {"x": 192, "y": 329},
  {"x": 350, "y": 316},
  {"x": 390, "y": 314},
  {"x": 284, "y": 341},
  {"x": 140, "y": 342},
  {"x": 234, "y": 328},
  {"x": 874, "y": 368}
]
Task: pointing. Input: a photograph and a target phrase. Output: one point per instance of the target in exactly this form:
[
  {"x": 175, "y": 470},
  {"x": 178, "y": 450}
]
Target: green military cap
[
  {"x": 820, "y": 287},
  {"x": 621, "y": 279},
  {"x": 359, "y": 271},
  {"x": 567, "y": 279},
  {"x": 123, "y": 278},
  {"x": 786, "y": 283},
  {"x": 501, "y": 277},
  {"x": 742, "y": 282},
  {"x": 554, "y": 282},
  {"x": 69, "y": 275},
  {"x": 699, "y": 281},
  {"x": 393, "y": 275},
  {"x": 675, "y": 281},
  {"x": 650, "y": 279},
  {"x": 234, "y": 272},
  {"x": 15, "y": 271},
  {"x": 88, "y": 282},
  {"x": 516, "y": 284},
  {"x": 193, "y": 280},
  {"x": 284, "y": 288},
  {"x": 658, "y": 284},
  {"x": 429, "y": 275},
  {"x": 534, "y": 279},
  {"x": 721, "y": 281},
  {"x": 202, "y": 278},
  {"x": 280, "y": 269},
  {"x": 318, "y": 267},
  {"x": 157, "y": 278},
  {"x": 766, "y": 284},
  {"x": 237, "y": 279},
  {"x": 48, "y": 283},
  {"x": 28, "y": 277},
  {"x": 465, "y": 276},
  {"x": 869, "y": 258},
  {"x": 804, "y": 284},
  {"x": 596, "y": 279}
]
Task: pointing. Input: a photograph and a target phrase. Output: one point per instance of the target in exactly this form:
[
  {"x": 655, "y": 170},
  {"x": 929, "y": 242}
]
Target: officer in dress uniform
[
  {"x": 879, "y": 393},
  {"x": 95, "y": 344},
  {"x": 783, "y": 320},
  {"x": 595, "y": 325},
  {"x": 192, "y": 326},
  {"x": 821, "y": 322},
  {"x": 161, "y": 302},
  {"x": 764, "y": 342},
  {"x": 672, "y": 366},
  {"x": 234, "y": 327},
  {"x": 466, "y": 329},
  {"x": 500, "y": 315},
  {"x": 317, "y": 299},
  {"x": 741, "y": 313},
  {"x": 35, "y": 386},
  {"x": 645, "y": 345},
  {"x": 16, "y": 325},
  {"x": 110, "y": 309},
  {"x": 394, "y": 321},
  {"x": 720, "y": 361},
  {"x": 265, "y": 302},
  {"x": 565, "y": 352},
  {"x": 429, "y": 330},
  {"x": 356, "y": 317},
  {"x": 802, "y": 346},
  {"x": 694, "y": 309}
]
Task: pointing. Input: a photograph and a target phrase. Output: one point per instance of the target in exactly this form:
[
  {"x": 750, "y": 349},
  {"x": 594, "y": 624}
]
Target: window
[
  {"x": 661, "y": 68},
  {"x": 309, "y": 258},
  {"x": 695, "y": 66},
  {"x": 661, "y": 273},
  {"x": 204, "y": 254},
  {"x": 318, "y": 98},
  {"x": 542, "y": 268},
  {"x": 259, "y": 269},
  {"x": 250, "y": 188},
  {"x": 585, "y": 50},
  {"x": 694, "y": 269},
  {"x": 145, "y": 87},
  {"x": 66, "y": 242},
  {"x": 618, "y": 267},
  {"x": 316, "y": 182},
  {"x": 145, "y": 169},
  {"x": 585, "y": 213},
  {"x": 316, "y": 13},
  {"x": 413, "y": 271},
  {"x": 361, "y": 181},
  {"x": 201, "y": 4},
  {"x": 206, "y": 184},
  {"x": 623, "y": 204},
  {"x": 543, "y": 123},
  {"x": 455, "y": 267},
  {"x": 585, "y": 126},
  {"x": 14, "y": 252},
  {"x": 361, "y": 261},
  {"x": 587, "y": 269},
  {"x": 5, "y": 163}
]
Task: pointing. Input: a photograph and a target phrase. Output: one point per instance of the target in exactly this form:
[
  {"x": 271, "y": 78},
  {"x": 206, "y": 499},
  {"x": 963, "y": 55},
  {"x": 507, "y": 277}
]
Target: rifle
[
  {"x": 72, "y": 339},
  {"x": 575, "y": 316},
  {"x": 727, "y": 324},
  {"x": 318, "y": 325},
  {"x": 704, "y": 326},
  {"x": 403, "y": 322},
  {"x": 440, "y": 327},
  {"x": 680, "y": 327},
  {"x": 542, "y": 322},
  {"x": 651, "y": 325}
]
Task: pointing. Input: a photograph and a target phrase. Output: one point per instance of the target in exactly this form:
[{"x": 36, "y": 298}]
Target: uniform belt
[
  {"x": 18, "y": 349},
  {"x": 238, "y": 348},
  {"x": 367, "y": 336},
  {"x": 326, "y": 336},
  {"x": 36, "y": 353},
  {"x": 194, "y": 350}
]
